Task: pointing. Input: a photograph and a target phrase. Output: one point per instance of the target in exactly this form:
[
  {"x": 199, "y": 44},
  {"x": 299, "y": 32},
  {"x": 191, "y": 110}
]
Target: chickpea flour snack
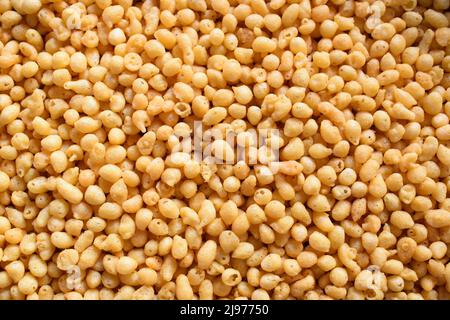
[{"x": 224, "y": 149}]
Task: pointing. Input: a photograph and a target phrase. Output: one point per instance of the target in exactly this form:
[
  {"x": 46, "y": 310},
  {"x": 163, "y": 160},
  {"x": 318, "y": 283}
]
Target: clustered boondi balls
[{"x": 98, "y": 202}]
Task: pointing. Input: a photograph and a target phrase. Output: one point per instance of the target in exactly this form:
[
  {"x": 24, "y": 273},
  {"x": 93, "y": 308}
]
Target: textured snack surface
[{"x": 224, "y": 149}]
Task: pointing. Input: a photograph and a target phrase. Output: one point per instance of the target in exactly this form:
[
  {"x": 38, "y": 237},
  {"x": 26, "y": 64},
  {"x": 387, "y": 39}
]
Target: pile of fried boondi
[{"x": 98, "y": 200}]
